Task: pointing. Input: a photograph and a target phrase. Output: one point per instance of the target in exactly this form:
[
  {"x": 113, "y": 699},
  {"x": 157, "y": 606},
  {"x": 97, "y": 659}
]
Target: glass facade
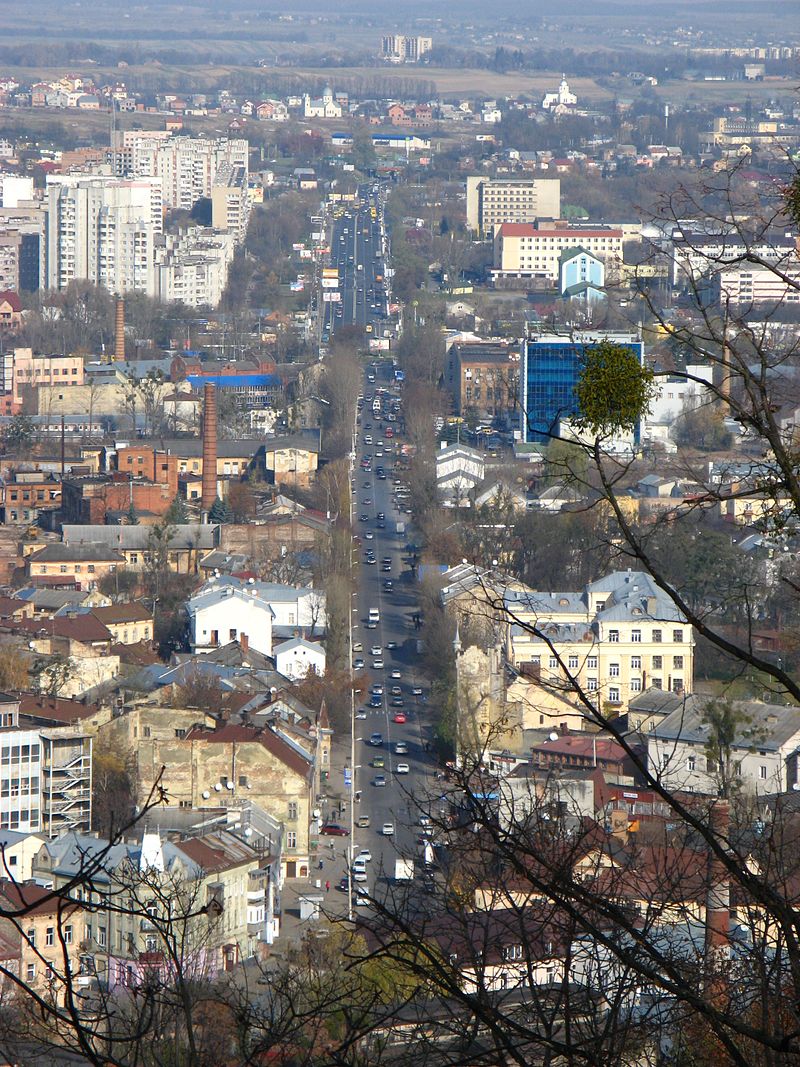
[{"x": 551, "y": 372}]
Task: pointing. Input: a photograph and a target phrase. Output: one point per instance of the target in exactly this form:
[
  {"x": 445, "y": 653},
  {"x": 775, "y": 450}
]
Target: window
[
  {"x": 613, "y": 694},
  {"x": 101, "y": 936},
  {"x": 30, "y": 972},
  {"x": 762, "y": 772},
  {"x": 677, "y": 663},
  {"x": 636, "y": 636},
  {"x": 657, "y": 637},
  {"x": 658, "y": 663},
  {"x": 512, "y": 952},
  {"x": 232, "y": 634},
  {"x": 553, "y": 663},
  {"x": 591, "y": 663},
  {"x": 636, "y": 685},
  {"x": 145, "y": 731},
  {"x": 180, "y": 734},
  {"x": 591, "y": 685},
  {"x": 613, "y": 670},
  {"x": 677, "y": 636},
  {"x": 291, "y": 839},
  {"x": 293, "y": 809},
  {"x": 573, "y": 663},
  {"x": 691, "y": 763},
  {"x": 656, "y": 683},
  {"x": 636, "y": 663},
  {"x": 613, "y": 636},
  {"x": 68, "y": 935},
  {"x": 30, "y": 934},
  {"x": 50, "y": 936}
]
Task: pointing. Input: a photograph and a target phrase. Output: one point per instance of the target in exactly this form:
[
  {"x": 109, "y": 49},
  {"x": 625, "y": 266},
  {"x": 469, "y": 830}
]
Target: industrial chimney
[
  {"x": 119, "y": 330},
  {"x": 209, "y": 448},
  {"x": 717, "y": 932}
]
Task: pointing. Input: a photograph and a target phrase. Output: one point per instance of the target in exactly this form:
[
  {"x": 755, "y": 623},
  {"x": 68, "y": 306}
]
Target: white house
[
  {"x": 562, "y": 98},
  {"x": 458, "y": 467},
  {"x": 292, "y": 608},
  {"x": 763, "y": 756},
  {"x": 296, "y": 657},
  {"x": 220, "y": 613},
  {"x": 673, "y": 396}
]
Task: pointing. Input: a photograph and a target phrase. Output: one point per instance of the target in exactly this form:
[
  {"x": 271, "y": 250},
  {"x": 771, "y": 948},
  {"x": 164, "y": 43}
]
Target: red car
[
  {"x": 332, "y": 829},
  {"x": 399, "y": 717}
]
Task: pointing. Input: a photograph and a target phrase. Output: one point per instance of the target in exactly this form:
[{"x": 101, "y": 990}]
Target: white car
[
  {"x": 387, "y": 829},
  {"x": 365, "y": 855},
  {"x": 376, "y": 650},
  {"x": 402, "y": 768},
  {"x": 377, "y": 665},
  {"x": 359, "y": 871},
  {"x": 396, "y": 674}
]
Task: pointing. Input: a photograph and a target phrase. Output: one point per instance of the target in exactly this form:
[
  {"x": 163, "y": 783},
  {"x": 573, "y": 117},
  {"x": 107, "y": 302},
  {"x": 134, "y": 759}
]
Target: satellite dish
[
  {"x": 553, "y": 736},
  {"x": 796, "y": 787},
  {"x": 229, "y": 785},
  {"x": 217, "y": 787},
  {"x": 205, "y": 794},
  {"x": 248, "y": 832}
]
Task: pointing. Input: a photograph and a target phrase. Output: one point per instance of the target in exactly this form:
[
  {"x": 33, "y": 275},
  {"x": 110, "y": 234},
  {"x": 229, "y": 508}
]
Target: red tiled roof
[
  {"x": 60, "y": 709},
  {"x": 8, "y": 296},
  {"x": 34, "y": 899},
  {"x": 80, "y": 628}
]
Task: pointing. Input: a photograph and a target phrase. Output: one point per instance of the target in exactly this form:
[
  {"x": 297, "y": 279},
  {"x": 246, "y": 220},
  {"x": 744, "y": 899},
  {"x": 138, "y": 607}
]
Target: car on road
[
  {"x": 357, "y": 646},
  {"x": 396, "y": 674},
  {"x": 376, "y": 701},
  {"x": 376, "y": 739},
  {"x": 376, "y": 650},
  {"x": 397, "y": 702},
  {"x": 361, "y": 713},
  {"x": 361, "y": 897},
  {"x": 377, "y": 690},
  {"x": 396, "y": 691},
  {"x": 333, "y": 829},
  {"x": 402, "y": 768},
  {"x": 359, "y": 871},
  {"x": 379, "y": 763},
  {"x": 391, "y": 645},
  {"x": 399, "y": 718},
  {"x": 369, "y": 535},
  {"x": 377, "y": 665},
  {"x": 363, "y": 518},
  {"x": 388, "y": 587},
  {"x": 401, "y": 748},
  {"x": 366, "y": 502},
  {"x": 416, "y": 690},
  {"x": 365, "y": 855},
  {"x": 343, "y": 884},
  {"x": 379, "y": 780},
  {"x": 387, "y": 829},
  {"x": 371, "y": 625},
  {"x": 386, "y": 568},
  {"x": 358, "y": 664},
  {"x": 362, "y": 822}
]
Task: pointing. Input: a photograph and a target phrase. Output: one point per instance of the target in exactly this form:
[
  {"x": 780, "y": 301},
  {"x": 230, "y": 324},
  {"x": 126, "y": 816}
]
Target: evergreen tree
[
  {"x": 220, "y": 512},
  {"x": 176, "y": 513},
  {"x": 131, "y": 518}
]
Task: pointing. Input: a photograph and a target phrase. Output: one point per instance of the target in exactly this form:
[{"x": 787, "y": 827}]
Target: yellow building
[{"x": 612, "y": 640}]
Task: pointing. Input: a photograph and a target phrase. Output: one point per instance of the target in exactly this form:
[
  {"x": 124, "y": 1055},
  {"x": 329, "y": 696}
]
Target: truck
[
  {"x": 400, "y": 529},
  {"x": 403, "y": 870}
]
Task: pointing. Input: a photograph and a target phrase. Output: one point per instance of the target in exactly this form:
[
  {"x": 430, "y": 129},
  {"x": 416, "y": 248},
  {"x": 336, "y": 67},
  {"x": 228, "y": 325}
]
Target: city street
[{"x": 358, "y": 246}]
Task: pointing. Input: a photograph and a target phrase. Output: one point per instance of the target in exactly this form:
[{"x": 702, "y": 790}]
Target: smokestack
[
  {"x": 209, "y": 494},
  {"x": 119, "y": 331},
  {"x": 717, "y": 903}
]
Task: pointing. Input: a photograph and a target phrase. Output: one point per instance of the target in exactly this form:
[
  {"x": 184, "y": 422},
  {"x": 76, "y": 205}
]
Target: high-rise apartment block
[
  {"x": 493, "y": 201},
  {"x": 187, "y": 166},
  {"x": 399, "y": 48},
  {"x": 230, "y": 201},
  {"x": 103, "y": 230}
]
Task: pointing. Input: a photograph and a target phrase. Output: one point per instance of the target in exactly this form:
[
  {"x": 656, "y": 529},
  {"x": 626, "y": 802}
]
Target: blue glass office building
[{"x": 552, "y": 366}]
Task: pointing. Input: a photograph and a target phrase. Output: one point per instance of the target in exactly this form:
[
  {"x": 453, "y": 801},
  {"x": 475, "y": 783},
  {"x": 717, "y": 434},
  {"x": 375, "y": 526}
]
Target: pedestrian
[
  {"x": 327, "y": 887},
  {"x": 321, "y": 864}
]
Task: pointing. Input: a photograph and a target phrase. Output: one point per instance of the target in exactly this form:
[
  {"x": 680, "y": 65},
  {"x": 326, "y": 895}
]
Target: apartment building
[
  {"x": 24, "y": 373},
  {"x": 751, "y": 283},
  {"x": 401, "y": 48},
  {"x": 615, "y": 638},
  {"x": 697, "y": 255},
  {"x": 230, "y": 201},
  {"x": 14, "y": 189},
  {"x": 22, "y": 247},
  {"x": 186, "y": 166},
  {"x": 103, "y": 230},
  {"x": 484, "y": 377},
  {"x": 45, "y": 775},
  {"x": 192, "y": 267},
  {"x": 493, "y": 201},
  {"x": 533, "y": 250}
]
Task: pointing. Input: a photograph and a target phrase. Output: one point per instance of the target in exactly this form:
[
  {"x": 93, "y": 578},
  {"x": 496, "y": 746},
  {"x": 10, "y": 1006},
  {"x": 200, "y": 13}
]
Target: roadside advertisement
[{"x": 331, "y": 298}]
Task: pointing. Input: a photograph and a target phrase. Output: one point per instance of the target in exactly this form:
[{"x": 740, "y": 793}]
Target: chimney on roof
[
  {"x": 119, "y": 331},
  {"x": 209, "y": 492},
  {"x": 244, "y": 642}
]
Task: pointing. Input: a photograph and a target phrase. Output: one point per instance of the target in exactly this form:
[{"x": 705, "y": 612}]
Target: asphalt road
[
  {"x": 358, "y": 244},
  {"x": 404, "y": 796}
]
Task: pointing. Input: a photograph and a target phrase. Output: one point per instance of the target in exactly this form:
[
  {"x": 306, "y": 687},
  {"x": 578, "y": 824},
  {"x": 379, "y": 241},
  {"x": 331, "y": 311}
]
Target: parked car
[{"x": 332, "y": 829}]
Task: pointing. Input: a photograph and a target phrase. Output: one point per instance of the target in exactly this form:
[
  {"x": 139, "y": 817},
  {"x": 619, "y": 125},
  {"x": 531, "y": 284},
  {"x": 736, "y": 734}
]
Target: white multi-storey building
[
  {"x": 187, "y": 166},
  {"x": 103, "y": 230},
  {"x": 193, "y": 266},
  {"x": 522, "y": 250},
  {"x": 492, "y": 201}
]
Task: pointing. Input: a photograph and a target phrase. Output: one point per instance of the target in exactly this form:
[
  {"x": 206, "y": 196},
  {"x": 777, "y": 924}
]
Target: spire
[{"x": 456, "y": 642}]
